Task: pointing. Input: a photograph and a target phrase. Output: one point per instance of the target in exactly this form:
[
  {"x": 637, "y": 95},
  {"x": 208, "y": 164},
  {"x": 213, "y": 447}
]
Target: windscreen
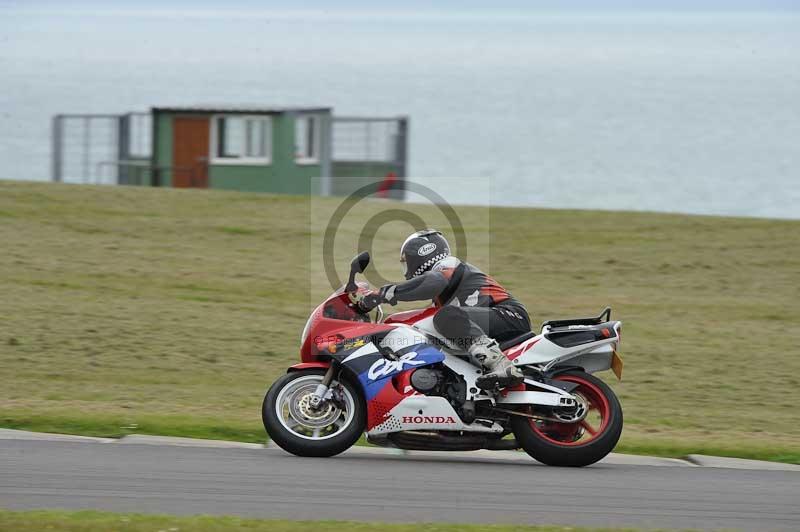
[{"x": 336, "y": 307}]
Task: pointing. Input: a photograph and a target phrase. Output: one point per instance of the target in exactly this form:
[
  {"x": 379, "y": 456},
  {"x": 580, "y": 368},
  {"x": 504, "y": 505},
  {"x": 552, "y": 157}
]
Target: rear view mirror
[
  {"x": 357, "y": 265},
  {"x": 360, "y": 263}
]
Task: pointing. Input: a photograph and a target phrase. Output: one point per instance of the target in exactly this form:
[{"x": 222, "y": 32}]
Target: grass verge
[{"x": 91, "y": 521}]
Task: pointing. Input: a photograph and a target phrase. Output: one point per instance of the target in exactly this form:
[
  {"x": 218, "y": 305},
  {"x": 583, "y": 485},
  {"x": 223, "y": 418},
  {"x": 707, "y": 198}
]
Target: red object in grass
[{"x": 386, "y": 185}]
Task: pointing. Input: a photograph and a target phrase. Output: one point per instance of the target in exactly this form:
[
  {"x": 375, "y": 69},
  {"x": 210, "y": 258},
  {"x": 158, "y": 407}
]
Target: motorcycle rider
[{"x": 475, "y": 312}]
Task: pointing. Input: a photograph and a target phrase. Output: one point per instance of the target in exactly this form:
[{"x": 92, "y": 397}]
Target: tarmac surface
[{"x": 175, "y": 476}]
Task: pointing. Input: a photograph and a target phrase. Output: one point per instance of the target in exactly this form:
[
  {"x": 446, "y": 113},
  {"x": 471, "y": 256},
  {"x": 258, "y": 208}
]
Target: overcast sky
[{"x": 437, "y": 5}]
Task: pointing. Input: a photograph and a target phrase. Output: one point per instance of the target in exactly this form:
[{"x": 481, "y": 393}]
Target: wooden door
[{"x": 190, "y": 151}]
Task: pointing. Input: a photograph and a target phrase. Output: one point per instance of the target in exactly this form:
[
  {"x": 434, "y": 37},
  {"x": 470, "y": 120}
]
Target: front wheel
[
  {"x": 298, "y": 428},
  {"x": 575, "y": 444}
]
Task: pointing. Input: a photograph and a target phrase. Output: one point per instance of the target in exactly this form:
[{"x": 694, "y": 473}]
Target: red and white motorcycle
[{"x": 404, "y": 385}]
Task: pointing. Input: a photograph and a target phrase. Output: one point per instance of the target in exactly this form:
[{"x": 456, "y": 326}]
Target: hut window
[
  {"x": 307, "y": 139},
  {"x": 242, "y": 139}
]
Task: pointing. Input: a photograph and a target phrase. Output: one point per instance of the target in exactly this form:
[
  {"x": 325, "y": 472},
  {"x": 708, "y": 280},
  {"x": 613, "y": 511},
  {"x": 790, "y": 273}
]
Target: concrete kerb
[
  {"x": 11, "y": 434},
  {"x": 507, "y": 457}
]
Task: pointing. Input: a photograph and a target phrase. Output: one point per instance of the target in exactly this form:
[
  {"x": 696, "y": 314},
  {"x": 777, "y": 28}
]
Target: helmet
[{"x": 421, "y": 251}]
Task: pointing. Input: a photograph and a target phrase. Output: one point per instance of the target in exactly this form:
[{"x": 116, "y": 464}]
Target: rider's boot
[{"x": 499, "y": 371}]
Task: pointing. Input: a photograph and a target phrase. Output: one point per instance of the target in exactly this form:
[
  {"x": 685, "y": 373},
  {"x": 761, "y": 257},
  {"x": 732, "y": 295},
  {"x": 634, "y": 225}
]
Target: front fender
[{"x": 309, "y": 365}]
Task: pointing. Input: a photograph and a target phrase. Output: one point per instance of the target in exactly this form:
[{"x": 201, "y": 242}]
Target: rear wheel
[
  {"x": 575, "y": 444},
  {"x": 298, "y": 428}
]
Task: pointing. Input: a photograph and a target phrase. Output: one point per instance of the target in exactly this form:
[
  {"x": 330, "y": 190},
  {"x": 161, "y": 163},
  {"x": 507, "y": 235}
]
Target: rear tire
[
  {"x": 311, "y": 434},
  {"x": 572, "y": 445}
]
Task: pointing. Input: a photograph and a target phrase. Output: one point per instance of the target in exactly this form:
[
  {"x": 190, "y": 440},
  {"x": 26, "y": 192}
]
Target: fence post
[
  {"x": 123, "y": 148},
  {"x": 402, "y": 147},
  {"x": 326, "y": 154},
  {"x": 57, "y": 140},
  {"x": 87, "y": 143},
  {"x": 401, "y": 153}
]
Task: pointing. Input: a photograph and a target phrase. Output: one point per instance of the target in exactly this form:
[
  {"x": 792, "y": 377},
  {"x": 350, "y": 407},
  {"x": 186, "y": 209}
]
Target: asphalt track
[{"x": 378, "y": 487}]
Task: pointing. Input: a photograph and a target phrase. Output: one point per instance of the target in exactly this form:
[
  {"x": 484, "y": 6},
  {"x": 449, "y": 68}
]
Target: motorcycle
[{"x": 407, "y": 387}]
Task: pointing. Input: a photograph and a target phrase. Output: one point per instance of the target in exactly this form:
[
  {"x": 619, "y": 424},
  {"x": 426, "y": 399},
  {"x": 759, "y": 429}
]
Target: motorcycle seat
[
  {"x": 567, "y": 337},
  {"x": 516, "y": 341}
]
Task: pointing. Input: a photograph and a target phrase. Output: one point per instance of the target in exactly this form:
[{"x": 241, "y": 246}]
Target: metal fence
[
  {"x": 100, "y": 149},
  {"x": 368, "y": 151},
  {"x": 370, "y": 140}
]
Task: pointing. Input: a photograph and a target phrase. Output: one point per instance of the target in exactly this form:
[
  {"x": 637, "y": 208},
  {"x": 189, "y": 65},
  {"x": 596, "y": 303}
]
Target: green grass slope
[{"x": 169, "y": 312}]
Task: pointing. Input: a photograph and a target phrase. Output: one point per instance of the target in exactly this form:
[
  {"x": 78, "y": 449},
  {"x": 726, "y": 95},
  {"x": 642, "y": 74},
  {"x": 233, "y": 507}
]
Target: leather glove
[
  {"x": 370, "y": 301},
  {"x": 387, "y": 293}
]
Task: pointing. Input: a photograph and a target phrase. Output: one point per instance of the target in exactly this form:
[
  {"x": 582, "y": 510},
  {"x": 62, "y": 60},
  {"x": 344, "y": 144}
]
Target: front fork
[{"x": 323, "y": 390}]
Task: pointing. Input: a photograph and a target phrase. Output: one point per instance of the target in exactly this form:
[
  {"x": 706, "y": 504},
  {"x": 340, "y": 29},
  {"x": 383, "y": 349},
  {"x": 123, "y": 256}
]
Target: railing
[
  {"x": 364, "y": 140},
  {"x": 81, "y": 143}
]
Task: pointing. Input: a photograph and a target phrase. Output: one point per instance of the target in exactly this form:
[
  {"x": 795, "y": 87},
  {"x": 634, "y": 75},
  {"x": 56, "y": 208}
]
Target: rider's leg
[
  {"x": 501, "y": 322},
  {"x": 461, "y": 326},
  {"x": 454, "y": 324}
]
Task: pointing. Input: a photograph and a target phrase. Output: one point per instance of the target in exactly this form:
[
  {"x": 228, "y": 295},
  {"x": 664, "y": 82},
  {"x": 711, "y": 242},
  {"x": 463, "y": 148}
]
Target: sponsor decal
[
  {"x": 352, "y": 344},
  {"x": 427, "y": 249},
  {"x": 384, "y": 367},
  {"x": 429, "y": 419},
  {"x": 515, "y": 352}
]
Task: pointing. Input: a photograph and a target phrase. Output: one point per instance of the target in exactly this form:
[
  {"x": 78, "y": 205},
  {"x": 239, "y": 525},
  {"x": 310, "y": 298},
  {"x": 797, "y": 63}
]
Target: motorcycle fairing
[
  {"x": 423, "y": 328},
  {"x": 344, "y": 337},
  {"x": 469, "y": 372},
  {"x": 421, "y": 412},
  {"x": 594, "y": 355},
  {"x": 385, "y": 382},
  {"x": 410, "y": 317},
  {"x": 393, "y": 405},
  {"x": 374, "y": 371}
]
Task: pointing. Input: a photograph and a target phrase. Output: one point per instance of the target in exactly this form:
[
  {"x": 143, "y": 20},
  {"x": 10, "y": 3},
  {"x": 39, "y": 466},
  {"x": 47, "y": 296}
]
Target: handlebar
[{"x": 359, "y": 304}]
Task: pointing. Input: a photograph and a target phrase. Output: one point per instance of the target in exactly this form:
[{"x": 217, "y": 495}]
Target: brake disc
[{"x": 301, "y": 410}]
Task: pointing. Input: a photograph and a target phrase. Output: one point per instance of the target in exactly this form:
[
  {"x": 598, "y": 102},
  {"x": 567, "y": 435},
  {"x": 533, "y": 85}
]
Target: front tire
[
  {"x": 302, "y": 431},
  {"x": 574, "y": 444}
]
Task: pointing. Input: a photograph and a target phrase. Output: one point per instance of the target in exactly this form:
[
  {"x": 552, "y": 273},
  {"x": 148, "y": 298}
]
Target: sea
[{"x": 688, "y": 112}]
